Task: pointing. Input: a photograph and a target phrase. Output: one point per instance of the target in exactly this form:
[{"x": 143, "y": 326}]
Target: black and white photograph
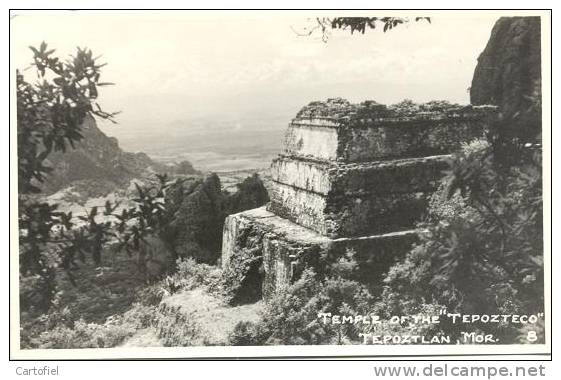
[{"x": 296, "y": 183}]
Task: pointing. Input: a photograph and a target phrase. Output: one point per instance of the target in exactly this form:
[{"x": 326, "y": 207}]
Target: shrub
[
  {"x": 36, "y": 292},
  {"x": 86, "y": 335},
  {"x": 152, "y": 295},
  {"x": 482, "y": 252},
  {"x": 32, "y": 326},
  {"x": 176, "y": 328},
  {"x": 59, "y": 328},
  {"x": 247, "y": 333},
  {"x": 190, "y": 274},
  {"x": 292, "y": 315},
  {"x": 80, "y": 334}
]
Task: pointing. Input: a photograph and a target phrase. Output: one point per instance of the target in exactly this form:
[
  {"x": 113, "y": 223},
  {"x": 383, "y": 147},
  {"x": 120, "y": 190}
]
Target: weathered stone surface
[
  {"x": 345, "y": 215},
  {"x": 302, "y": 207},
  {"x": 360, "y": 135},
  {"x": 339, "y": 200},
  {"x": 317, "y": 139},
  {"x": 197, "y": 208},
  {"x": 306, "y": 174},
  {"x": 350, "y": 176},
  {"x": 380, "y": 177},
  {"x": 278, "y": 239},
  {"x": 508, "y": 74},
  {"x": 287, "y": 247},
  {"x": 416, "y": 137}
]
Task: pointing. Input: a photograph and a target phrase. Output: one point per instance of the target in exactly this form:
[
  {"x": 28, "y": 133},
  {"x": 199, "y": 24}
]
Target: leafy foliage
[
  {"x": 51, "y": 111},
  {"x": 355, "y": 24},
  {"x": 361, "y": 24},
  {"x": 190, "y": 275},
  {"x": 50, "y": 115},
  {"x": 291, "y": 316},
  {"x": 62, "y": 328},
  {"x": 482, "y": 251},
  {"x": 175, "y": 328},
  {"x": 147, "y": 217}
]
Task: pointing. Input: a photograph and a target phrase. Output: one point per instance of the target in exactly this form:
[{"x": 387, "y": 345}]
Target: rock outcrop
[
  {"x": 196, "y": 211},
  {"x": 197, "y": 208},
  {"x": 350, "y": 176},
  {"x": 97, "y": 160},
  {"x": 98, "y": 166},
  {"x": 508, "y": 74}
]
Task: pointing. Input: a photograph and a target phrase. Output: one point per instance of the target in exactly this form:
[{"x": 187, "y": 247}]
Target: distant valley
[{"x": 216, "y": 149}]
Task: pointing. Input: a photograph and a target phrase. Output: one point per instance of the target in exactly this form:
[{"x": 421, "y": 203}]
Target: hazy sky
[{"x": 169, "y": 70}]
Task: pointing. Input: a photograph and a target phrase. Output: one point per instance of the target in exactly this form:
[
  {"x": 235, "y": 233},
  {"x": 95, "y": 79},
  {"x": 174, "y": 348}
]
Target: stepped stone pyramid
[{"x": 351, "y": 176}]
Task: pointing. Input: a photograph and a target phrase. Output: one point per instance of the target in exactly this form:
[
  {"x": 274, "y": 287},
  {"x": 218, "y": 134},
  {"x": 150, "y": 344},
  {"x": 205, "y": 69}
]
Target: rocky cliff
[
  {"x": 96, "y": 163},
  {"x": 197, "y": 208},
  {"x": 508, "y": 74}
]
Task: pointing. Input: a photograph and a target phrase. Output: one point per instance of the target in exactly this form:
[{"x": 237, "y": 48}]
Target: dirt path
[
  {"x": 143, "y": 338},
  {"x": 215, "y": 319}
]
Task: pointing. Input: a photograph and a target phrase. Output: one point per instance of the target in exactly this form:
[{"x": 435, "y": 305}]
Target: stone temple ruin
[{"x": 350, "y": 176}]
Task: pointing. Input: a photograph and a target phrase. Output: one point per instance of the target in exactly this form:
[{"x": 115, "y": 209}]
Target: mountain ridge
[{"x": 98, "y": 163}]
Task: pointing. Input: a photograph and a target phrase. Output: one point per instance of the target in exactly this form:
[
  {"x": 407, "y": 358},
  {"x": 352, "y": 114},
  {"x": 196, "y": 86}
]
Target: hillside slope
[{"x": 97, "y": 163}]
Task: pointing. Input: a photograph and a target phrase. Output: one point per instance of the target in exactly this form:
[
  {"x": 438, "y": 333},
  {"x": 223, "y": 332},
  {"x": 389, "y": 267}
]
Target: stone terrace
[{"x": 353, "y": 176}]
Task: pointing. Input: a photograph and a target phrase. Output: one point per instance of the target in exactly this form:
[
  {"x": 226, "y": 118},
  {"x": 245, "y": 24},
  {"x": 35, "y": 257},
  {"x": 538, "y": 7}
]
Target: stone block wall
[
  {"x": 288, "y": 248},
  {"x": 350, "y": 170},
  {"x": 351, "y": 176},
  {"x": 339, "y": 200},
  {"x": 279, "y": 241},
  {"x": 361, "y": 136}
]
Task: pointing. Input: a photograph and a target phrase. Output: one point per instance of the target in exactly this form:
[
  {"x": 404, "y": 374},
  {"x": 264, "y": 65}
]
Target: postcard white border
[{"x": 403, "y": 351}]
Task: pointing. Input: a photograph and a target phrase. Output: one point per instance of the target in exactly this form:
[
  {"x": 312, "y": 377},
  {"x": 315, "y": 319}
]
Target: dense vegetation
[
  {"x": 58, "y": 248},
  {"x": 481, "y": 250},
  {"x": 481, "y": 253}
]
